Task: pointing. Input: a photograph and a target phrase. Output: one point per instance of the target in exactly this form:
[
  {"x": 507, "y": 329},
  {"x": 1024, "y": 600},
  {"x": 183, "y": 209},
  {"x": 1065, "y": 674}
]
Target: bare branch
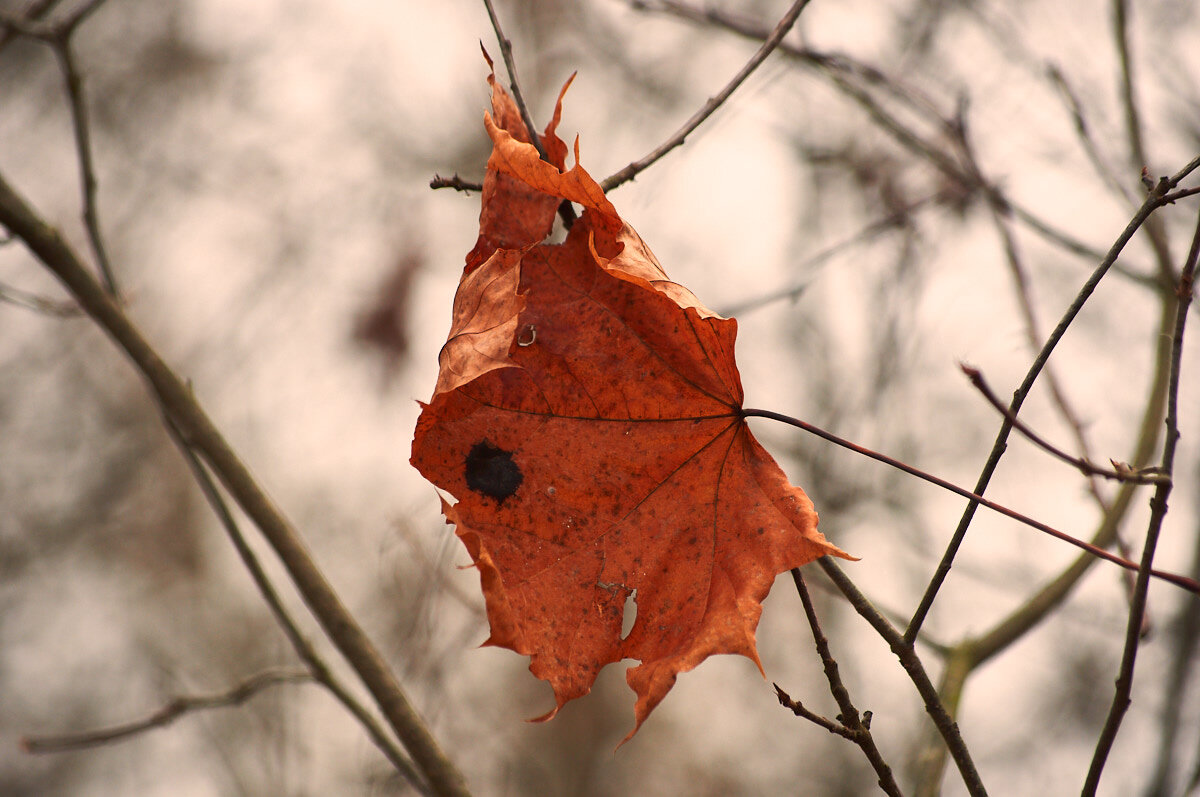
[
  {"x": 83, "y": 148},
  {"x": 1125, "y": 474},
  {"x": 506, "y": 52},
  {"x": 916, "y": 671},
  {"x": 455, "y": 182},
  {"x": 317, "y": 667},
  {"x": 57, "y": 37},
  {"x": 849, "y": 76},
  {"x": 859, "y": 726},
  {"x": 797, "y": 708},
  {"x": 173, "y": 710},
  {"x": 1153, "y": 202},
  {"x": 1158, "y": 511},
  {"x": 200, "y": 432},
  {"x": 769, "y": 44}
]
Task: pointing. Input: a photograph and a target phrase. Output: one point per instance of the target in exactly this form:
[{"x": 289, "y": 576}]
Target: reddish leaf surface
[{"x": 587, "y": 419}]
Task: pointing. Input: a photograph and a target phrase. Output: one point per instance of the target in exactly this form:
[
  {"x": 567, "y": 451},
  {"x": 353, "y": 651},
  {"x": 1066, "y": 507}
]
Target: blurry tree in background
[{"x": 902, "y": 185}]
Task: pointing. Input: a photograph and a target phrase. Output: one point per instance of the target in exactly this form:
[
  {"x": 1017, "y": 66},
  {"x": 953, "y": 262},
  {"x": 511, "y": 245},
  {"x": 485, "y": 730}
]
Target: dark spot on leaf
[{"x": 491, "y": 471}]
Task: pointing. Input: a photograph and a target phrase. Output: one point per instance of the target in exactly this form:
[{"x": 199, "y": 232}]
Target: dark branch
[{"x": 455, "y": 182}]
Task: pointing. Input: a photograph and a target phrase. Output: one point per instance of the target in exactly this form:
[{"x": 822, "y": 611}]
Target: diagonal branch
[
  {"x": 1124, "y": 474},
  {"x": 200, "y": 432},
  {"x": 317, "y": 666},
  {"x": 510, "y": 63},
  {"x": 769, "y": 44}
]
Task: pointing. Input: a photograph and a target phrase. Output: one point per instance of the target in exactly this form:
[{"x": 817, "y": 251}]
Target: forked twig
[
  {"x": 769, "y": 44},
  {"x": 317, "y": 666},
  {"x": 911, "y": 662},
  {"x": 1123, "y": 474},
  {"x": 798, "y": 708},
  {"x": 171, "y": 711},
  {"x": 857, "y": 727},
  {"x": 58, "y": 38}
]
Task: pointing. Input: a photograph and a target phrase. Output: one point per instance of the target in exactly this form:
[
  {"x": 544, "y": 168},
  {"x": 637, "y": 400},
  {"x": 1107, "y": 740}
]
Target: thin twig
[
  {"x": 1171, "y": 198},
  {"x": 171, "y": 711},
  {"x": 455, "y": 182},
  {"x": 1024, "y": 293},
  {"x": 1084, "y": 135},
  {"x": 797, "y": 708},
  {"x": 858, "y": 725},
  {"x": 1180, "y": 581},
  {"x": 39, "y": 304},
  {"x": 1183, "y": 644},
  {"x": 1153, "y": 202},
  {"x": 769, "y": 44},
  {"x": 506, "y": 52},
  {"x": 200, "y": 432},
  {"x": 1158, "y": 511},
  {"x": 1138, "y": 157},
  {"x": 916, "y": 671},
  {"x": 972, "y": 652},
  {"x": 1125, "y": 474},
  {"x": 845, "y": 73},
  {"x": 83, "y": 147},
  {"x": 57, "y": 37},
  {"x": 565, "y": 210}
]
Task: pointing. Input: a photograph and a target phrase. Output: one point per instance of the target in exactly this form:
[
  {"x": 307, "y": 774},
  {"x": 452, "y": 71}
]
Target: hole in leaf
[
  {"x": 630, "y": 616},
  {"x": 491, "y": 471}
]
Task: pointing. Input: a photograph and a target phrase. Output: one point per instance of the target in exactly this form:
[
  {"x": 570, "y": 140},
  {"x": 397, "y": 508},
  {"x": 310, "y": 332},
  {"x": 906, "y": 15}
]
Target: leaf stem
[{"x": 1180, "y": 581}]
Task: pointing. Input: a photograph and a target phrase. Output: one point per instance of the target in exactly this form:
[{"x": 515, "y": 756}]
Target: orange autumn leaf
[{"x": 587, "y": 420}]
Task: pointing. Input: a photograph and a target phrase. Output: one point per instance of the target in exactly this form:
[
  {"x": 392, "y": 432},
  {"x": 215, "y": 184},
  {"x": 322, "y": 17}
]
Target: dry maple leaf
[{"x": 587, "y": 418}]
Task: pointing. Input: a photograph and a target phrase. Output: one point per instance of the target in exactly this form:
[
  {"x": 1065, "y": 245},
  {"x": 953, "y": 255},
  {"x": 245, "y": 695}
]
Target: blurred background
[{"x": 917, "y": 183}]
